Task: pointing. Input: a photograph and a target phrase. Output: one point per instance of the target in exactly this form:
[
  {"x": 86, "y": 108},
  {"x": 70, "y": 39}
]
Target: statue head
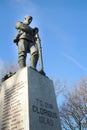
[{"x": 28, "y": 20}]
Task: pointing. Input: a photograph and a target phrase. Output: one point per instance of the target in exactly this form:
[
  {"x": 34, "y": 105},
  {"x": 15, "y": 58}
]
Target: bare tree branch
[{"x": 73, "y": 112}]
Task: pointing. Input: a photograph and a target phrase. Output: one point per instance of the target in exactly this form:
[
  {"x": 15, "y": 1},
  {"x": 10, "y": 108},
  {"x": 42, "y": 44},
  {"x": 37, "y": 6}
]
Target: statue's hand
[
  {"x": 15, "y": 40},
  {"x": 18, "y": 25}
]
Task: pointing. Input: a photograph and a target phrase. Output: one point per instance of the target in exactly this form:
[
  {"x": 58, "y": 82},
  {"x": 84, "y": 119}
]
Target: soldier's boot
[{"x": 33, "y": 61}]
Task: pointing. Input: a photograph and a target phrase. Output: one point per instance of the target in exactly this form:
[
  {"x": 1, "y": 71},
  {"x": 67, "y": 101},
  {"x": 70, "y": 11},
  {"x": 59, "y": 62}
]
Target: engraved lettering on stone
[
  {"x": 44, "y": 111},
  {"x": 12, "y": 108}
]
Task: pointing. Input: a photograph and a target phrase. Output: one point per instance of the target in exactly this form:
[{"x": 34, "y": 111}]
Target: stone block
[{"x": 27, "y": 102}]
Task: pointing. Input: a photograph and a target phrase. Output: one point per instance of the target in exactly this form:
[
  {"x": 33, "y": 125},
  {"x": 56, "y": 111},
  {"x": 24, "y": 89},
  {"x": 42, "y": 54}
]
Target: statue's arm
[{"x": 22, "y": 26}]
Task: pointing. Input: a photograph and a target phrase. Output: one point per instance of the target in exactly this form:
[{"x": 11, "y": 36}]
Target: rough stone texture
[{"x": 27, "y": 102}]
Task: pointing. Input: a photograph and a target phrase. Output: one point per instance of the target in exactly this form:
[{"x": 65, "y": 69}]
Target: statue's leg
[
  {"x": 34, "y": 57},
  {"x": 22, "y": 53},
  {"x": 34, "y": 60}
]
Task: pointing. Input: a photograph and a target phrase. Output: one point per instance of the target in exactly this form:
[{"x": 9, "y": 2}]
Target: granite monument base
[{"x": 27, "y": 102}]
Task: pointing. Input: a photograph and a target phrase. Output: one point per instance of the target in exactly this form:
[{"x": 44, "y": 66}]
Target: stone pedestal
[{"x": 27, "y": 102}]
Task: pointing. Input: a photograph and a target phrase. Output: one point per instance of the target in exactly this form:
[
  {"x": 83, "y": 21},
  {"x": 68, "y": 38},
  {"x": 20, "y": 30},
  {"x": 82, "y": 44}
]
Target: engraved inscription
[
  {"x": 12, "y": 118},
  {"x": 45, "y": 112}
]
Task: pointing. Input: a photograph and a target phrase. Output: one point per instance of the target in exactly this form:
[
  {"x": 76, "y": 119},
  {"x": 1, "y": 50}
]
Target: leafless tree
[
  {"x": 73, "y": 112},
  {"x": 59, "y": 87}
]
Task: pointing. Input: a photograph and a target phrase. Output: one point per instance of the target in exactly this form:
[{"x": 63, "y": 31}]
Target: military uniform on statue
[{"x": 26, "y": 39}]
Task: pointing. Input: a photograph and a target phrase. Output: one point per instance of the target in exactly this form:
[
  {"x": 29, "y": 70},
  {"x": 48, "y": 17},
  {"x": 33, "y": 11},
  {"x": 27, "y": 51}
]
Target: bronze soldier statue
[{"x": 26, "y": 40}]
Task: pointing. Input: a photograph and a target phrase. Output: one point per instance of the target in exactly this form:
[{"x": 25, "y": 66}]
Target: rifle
[{"x": 40, "y": 58}]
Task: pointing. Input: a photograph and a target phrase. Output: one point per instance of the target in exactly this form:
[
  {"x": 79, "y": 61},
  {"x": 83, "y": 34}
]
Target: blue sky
[{"x": 63, "y": 33}]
